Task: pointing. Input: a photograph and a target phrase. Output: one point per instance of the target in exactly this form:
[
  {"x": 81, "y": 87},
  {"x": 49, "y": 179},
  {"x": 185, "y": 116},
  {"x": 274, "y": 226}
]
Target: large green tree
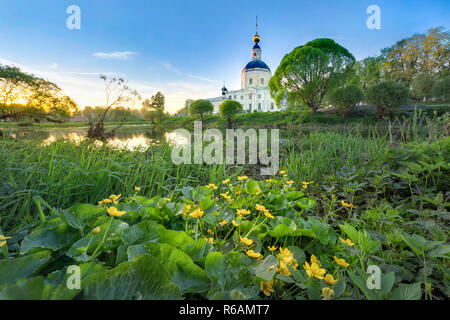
[
  {"x": 310, "y": 71},
  {"x": 200, "y": 108},
  {"x": 229, "y": 109}
]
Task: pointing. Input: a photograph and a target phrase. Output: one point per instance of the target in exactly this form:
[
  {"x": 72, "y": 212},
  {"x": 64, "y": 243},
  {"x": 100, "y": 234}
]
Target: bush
[
  {"x": 346, "y": 98},
  {"x": 441, "y": 89},
  {"x": 228, "y": 110},
  {"x": 387, "y": 96}
]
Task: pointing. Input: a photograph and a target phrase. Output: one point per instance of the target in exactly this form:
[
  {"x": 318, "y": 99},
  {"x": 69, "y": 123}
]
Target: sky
[{"x": 187, "y": 49}]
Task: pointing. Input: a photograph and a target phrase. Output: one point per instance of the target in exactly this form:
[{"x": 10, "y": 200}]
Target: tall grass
[{"x": 64, "y": 173}]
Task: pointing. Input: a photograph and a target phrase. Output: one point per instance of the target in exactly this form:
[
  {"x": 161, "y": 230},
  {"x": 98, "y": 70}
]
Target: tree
[
  {"x": 117, "y": 91},
  {"x": 421, "y": 86},
  {"x": 200, "y": 108},
  {"x": 155, "y": 116},
  {"x": 420, "y": 54},
  {"x": 39, "y": 98},
  {"x": 367, "y": 72},
  {"x": 156, "y": 102},
  {"x": 346, "y": 98},
  {"x": 229, "y": 109},
  {"x": 441, "y": 89},
  {"x": 387, "y": 96},
  {"x": 308, "y": 72}
]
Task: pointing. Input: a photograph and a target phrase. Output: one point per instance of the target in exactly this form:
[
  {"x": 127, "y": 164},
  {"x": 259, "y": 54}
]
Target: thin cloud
[
  {"x": 119, "y": 55},
  {"x": 169, "y": 67}
]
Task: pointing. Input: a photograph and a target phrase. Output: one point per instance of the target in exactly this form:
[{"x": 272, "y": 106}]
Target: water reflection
[{"x": 130, "y": 140}]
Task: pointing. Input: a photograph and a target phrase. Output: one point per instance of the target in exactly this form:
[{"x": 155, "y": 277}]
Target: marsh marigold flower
[
  {"x": 267, "y": 287},
  {"x": 348, "y": 205},
  {"x": 226, "y": 196},
  {"x": 104, "y": 201},
  {"x": 3, "y": 240},
  {"x": 114, "y": 198},
  {"x": 286, "y": 257},
  {"x": 348, "y": 242},
  {"x": 242, "y": 178},
  {"x": 314, "y": 270},
  {"x": 282, "y": 172},
  {"x": 225, "y": 181},
  {"x": 246, "y": 241},
  {"x": 114, "y": 212},
  {"x": 212, "y": 185},
  {"x": 327, "y": 293},
  {"x": 187, "y": 208},
  {"x": 290, "y": 182},
  {"x": 210, "y": 240},
  {"x": 341, "y": 262},
  {"x": 137, "y": 189},
  {"x": 253, "y": 254},
  {"x": 198, "y": 213},
  {"x": 224, "y": 222},
  {"x": 272, "y": 248},
  {"x": 234, "y": 223},
  {"x": 329, "y": 279},
  {"x": 96, "y": 230},
  {"x": 241, "y": 212}
]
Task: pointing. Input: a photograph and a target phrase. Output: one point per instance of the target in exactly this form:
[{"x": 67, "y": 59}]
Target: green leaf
[
  {"x": 294, "y": 195},
  {"x": 27, "y": 289},
  {"x": 252, "y": 187},
  {"x": 339, "y": 288},
  {"x": 144, "y": 278},
  {"x": 205, "y": 202},
  {"x": 140, "y": 233},
  {"x": 441, "y": 251},
  {"x": 19, "y": 268},
  {"x": 183, "y": 271},
  {"x": 173, "y": 237},
  {"x": 81, "y": 214},
  {"x": 407, "y": 292},
  {"x": 266, "y": 268},
  {"x": 215, "y": 265},
  {"x": 387, "y": 282},
  {"x": 49, "y": 237},
  {"x": 305, "y": 203}
]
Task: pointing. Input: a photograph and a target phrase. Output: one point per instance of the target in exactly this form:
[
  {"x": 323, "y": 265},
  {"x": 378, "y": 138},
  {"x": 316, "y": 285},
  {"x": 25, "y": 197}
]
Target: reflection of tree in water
[{"x": 156, "y": 135}]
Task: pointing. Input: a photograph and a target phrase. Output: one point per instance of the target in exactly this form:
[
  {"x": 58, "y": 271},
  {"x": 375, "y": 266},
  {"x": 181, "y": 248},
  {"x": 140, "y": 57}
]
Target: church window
[
  {"x": 234, "y": 97},
  {"x": 242, "y": 97},
  {"x": 262, "y": 81},
  {"x": 259, "y": 106},
  {"x": 272, "y": 106},
  {"x": 259, "y": 96},
  {"x": 250, "y": 106},
  {"x": 250, "y": 81}
]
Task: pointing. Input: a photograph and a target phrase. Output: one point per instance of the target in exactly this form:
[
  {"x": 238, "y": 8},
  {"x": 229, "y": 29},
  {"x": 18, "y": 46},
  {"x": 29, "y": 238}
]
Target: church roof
[{"x": 256, "y": 64}]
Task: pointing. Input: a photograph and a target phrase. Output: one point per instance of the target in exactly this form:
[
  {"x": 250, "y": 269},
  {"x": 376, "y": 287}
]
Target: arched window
[{"x": 250, "y": 81}]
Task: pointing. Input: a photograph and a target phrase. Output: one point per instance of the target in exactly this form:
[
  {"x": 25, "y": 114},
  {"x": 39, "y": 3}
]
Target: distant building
[{"x": 254, "y": 94}]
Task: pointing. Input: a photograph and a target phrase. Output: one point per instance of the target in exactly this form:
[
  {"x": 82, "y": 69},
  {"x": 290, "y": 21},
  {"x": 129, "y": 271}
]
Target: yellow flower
[
  {"x": 348, "y": 205},
  {"x": 212, "y": 185},
  {"x": 272, "y": 248},
  {"x": 286, "y": 257},
  {"x": 198, "y": 213},
  {"x": 166, "y": 199},
  {"x": 210, "y": 231},
  {"x": 285, "y": 175},
  {"x": 282, "y": 172},
  {"x": 187, "y": 208},
  {"x": 242, "y": 178},
  {"x": 314, "y": 270},
  {"x": 341, "y": 262},
  {"x": 260, "y": 207},
  {"x": 241, "y": 212},
  {"x": 113, "y": 212},
  {"x": 253, "y": 254},
  {"x": 225, "y": 181},
  {"x": 327, "y": 292},
  {"x": 329, "y": 279},
  {"x": 210, "y": 240},
  {"x": 290, "y": 182},
  {"x": 246, "y": 241},
  {"x": 114, "y": 198},
  {"x": 237, "y": 192},
  {"x": 137, "y": 189},
  {"x": 234, "y": 223},
  {"x": 315, "y": 260},
  {"x": 266, "y": 287},
  {"x": 269, "y": 180},
  {"x": 96, "y": 230},
  {"x": 226, "y": 196},
  {"x": 348, "y": 242},
  {"x": 305, "y": 186},
  {"x": 3, "y": 240},
  {"x": 104, "y": 201},
  {"x": 268, "y": 215},
  {"x": 224, "y": 222}
]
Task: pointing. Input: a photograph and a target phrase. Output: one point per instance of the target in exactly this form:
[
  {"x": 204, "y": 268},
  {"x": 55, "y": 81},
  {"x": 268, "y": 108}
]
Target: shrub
[
  {"x": 200, "y": 108},
  {"x": 228, "y": 109},
  {"x": 346, "y": 98},
  {"x": 441, "y": 89},
  {"x": 421, "y": 87},
  {"x": 387, "y": 96}
]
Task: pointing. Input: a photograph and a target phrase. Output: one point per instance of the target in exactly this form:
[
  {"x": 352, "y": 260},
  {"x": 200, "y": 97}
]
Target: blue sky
[{"x": 186, "y": 49}]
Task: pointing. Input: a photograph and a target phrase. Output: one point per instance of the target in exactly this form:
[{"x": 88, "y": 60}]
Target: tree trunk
[{"x": 228, "y": 123}]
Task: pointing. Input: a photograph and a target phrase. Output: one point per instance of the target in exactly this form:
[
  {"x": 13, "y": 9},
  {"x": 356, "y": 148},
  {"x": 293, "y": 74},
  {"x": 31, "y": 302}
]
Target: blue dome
[{"x": 256, "y": 64}]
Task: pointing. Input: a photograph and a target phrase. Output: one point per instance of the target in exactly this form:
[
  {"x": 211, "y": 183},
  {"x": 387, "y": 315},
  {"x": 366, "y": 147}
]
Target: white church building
[{"x": 254, "y": 94}]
